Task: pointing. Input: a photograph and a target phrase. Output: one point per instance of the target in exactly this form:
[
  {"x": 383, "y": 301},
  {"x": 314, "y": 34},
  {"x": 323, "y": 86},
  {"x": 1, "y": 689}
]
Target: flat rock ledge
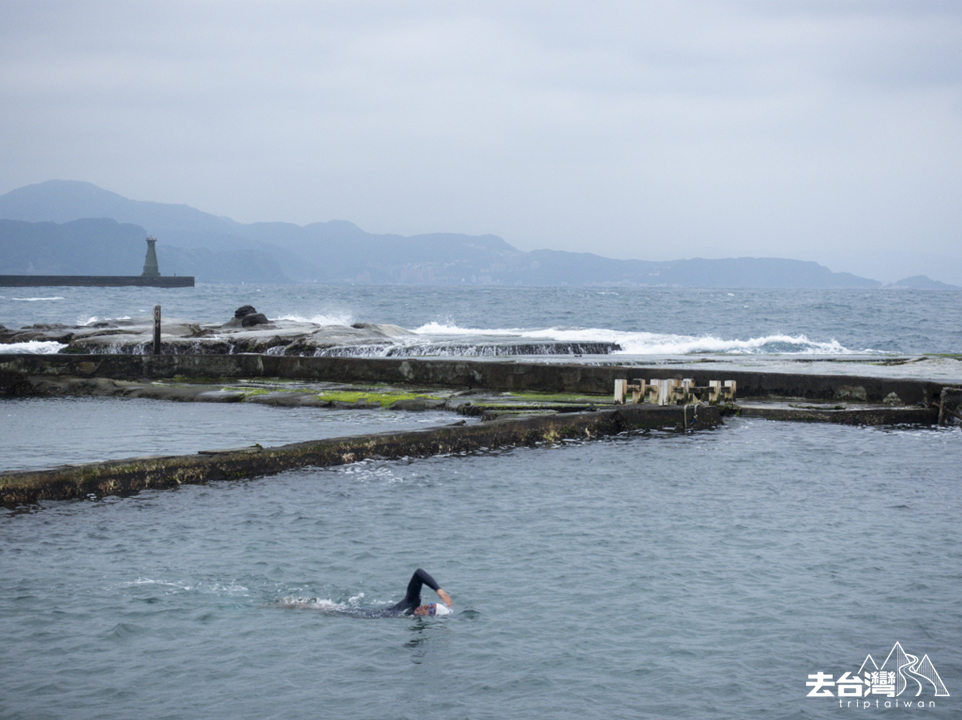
[
  {"x": 256, "y": 334},
  {"x": 279, "y": 337}
]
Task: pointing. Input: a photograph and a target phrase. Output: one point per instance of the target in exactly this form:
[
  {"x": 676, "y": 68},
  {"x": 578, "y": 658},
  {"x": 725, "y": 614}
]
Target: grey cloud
[{"x": 817, "y": 130}]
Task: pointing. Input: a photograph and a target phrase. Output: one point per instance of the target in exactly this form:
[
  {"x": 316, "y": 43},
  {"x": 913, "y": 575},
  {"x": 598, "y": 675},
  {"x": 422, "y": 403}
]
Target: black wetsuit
[
  {"x": 413, "y": 597},
  {"x": 406, "y": 607}
]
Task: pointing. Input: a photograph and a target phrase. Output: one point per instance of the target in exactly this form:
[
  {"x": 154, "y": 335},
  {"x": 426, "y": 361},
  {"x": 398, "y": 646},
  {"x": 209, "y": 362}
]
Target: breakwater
[
  {"x": 96, "y": 281},
  {"x": 462, "y": 373}
]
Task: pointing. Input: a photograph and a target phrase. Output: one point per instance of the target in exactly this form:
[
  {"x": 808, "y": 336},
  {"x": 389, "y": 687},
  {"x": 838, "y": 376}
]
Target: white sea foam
[
  {"x": 334, "y": 318},
  {"x": 172, "y": 587},
  {"x": 436, "y": 328},
  {"x": 631, "y": 343},
  {"x": 231, "y": 587},
  {"x": 37, "y": 299},
  {"x": 311, "y": 603},
  {"x": 33, "y": 347},
  {"x": 651, "y": 344},
  {"x": 643, "y": 343},
  {"x": 96, "y": 319}
]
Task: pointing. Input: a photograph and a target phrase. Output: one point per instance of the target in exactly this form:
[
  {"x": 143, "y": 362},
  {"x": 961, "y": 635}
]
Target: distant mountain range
[{"x": 75, "y": 228}]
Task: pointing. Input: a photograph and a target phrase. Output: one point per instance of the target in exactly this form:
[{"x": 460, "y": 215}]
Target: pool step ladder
[{"x": 674, "y": 392}]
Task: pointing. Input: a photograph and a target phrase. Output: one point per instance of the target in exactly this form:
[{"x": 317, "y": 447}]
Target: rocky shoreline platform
[
  {"x": 252, "y": 332},
  {"x": 248, "y": 331}
]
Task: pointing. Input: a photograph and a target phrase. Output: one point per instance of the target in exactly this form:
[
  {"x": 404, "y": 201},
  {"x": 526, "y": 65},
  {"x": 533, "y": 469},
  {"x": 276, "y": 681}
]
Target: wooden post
[{"x": 156, "y": 329}]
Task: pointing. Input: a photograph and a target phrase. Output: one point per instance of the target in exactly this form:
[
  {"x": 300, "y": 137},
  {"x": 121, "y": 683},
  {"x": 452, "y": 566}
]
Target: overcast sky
[{"x": 827, "y": 131}]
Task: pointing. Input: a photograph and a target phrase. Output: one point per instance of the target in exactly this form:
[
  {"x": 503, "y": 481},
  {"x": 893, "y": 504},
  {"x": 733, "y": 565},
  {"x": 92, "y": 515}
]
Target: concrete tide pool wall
[
  {"x": 126, "y": 476},
  {"x": 463, "y": 373},
  {"x": 847, "y": 399}
]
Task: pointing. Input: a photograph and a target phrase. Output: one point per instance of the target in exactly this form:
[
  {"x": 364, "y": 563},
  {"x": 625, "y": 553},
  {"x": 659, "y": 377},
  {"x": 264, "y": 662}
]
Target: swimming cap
[{"x": 439, "y": 609}]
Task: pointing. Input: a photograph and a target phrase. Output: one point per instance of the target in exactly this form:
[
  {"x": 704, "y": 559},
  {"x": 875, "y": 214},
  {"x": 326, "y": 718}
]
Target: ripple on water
[{"x": 689, "y": 575}]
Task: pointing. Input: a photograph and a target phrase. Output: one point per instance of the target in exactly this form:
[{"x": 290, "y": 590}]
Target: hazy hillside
[
  {"x": 105, "y": 247},
  {"x": 46, "y": 248},
  {"x": 66, "y": 227},
  {"x": 921, "y": 282},
  {"x": 61, "y": 201}
]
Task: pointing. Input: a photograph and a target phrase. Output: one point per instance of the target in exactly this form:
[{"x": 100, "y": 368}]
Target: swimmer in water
[{"x": 411, "y": 604}]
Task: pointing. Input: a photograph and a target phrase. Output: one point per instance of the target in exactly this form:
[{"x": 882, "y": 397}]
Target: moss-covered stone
[
  {"x": 381, "y": 398},
  {"x": 558, "y": 398}
]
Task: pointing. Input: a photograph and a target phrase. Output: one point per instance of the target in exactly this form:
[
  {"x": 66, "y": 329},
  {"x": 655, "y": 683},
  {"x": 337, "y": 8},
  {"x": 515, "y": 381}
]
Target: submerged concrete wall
[
  {"x": 460, "y": 373},
  {"x": 128, "y": 476}
]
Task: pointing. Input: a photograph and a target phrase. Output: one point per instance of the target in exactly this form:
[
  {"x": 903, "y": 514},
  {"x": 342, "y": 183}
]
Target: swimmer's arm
[{"x": 445, "y": 597}]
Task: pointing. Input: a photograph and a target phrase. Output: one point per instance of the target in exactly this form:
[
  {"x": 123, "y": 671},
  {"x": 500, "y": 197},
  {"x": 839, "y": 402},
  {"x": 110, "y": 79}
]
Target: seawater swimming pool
[
  {"x": 686, "y": 575},
  {"x": 43, "y": 432},
  {"x": 699, "y": 576}
]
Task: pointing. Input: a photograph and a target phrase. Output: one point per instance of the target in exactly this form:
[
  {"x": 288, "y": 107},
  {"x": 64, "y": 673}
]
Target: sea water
[
  {"x": 644, "y": 321},
  {"x": 701, "y": 575},
  {"x": 650, "y": 575}
]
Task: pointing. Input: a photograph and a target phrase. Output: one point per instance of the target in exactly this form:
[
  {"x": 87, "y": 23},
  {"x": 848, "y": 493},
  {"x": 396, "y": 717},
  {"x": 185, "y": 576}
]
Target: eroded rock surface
[{"x": 247, "y": 331}]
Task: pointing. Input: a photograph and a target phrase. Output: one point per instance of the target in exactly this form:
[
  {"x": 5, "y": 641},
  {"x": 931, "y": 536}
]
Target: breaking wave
[
  {"x": 767, "y": 345},
  {"x": 644, "y": 343},
  {"x": 449, "y": 340},
  {"x": 33, "y": 347},
  {"x": 343, "y": 318},
  {"x": 455, "y": 349},
  {"x": 94, "y": 319}
]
